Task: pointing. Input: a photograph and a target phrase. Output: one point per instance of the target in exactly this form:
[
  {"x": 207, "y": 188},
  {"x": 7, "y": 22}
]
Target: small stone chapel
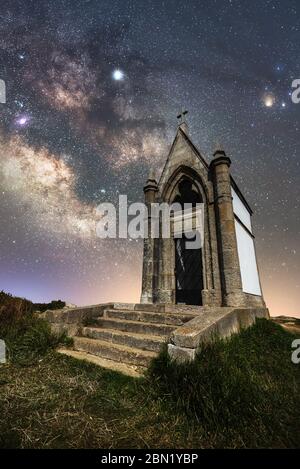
[
  {"x": 189, "y": 296},
  {"x": 224, "y": 272}
]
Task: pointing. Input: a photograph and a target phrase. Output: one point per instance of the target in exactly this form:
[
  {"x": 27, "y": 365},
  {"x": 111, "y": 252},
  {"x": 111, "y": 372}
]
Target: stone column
[
  {"x": 150, "y": 191},
  {"x": 166, "y": 280},
  {"x": 232, "y": 292}
]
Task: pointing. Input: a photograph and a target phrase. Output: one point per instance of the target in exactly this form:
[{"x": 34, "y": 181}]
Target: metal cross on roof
[{"x": 181, "y": 116}]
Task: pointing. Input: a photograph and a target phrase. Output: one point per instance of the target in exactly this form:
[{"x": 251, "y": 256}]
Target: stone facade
[{"x": 221, "y": 275}]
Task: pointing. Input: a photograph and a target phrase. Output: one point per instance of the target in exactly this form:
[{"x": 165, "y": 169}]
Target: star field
[{"x": 93, "y": 90}]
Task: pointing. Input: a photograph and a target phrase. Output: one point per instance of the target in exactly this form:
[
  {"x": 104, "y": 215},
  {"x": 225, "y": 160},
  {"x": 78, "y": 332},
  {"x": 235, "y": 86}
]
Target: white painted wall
[
  {"x": 240, "y": 210},
  {"x": 246, "y": 248}
]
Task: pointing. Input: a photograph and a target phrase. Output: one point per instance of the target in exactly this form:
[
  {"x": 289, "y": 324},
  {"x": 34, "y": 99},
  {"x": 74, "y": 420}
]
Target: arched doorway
[{"x": 188, "y": 260}]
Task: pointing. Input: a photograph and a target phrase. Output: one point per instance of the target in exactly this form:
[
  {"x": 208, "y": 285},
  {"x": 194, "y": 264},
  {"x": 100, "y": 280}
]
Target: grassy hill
[
  {"x": 243, "y": 392},
  {"x": 11, "y": 305},
  {"x": 289, "y": 323}
]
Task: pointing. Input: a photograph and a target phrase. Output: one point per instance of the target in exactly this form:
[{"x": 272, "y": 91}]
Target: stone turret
[
  {"x": 150, "y": 188},
  {"x": 148, "y": 279},
  {"x": 228, "y": 251}
]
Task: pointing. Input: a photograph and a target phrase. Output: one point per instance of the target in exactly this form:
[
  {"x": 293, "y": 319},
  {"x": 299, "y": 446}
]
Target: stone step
[
  {"x": 130, "y": 370},
  {"x": 115, "y": 352},
  {"x": 141, "y": 341},
  {"x": 175, "y": 319},
  {"x": 158, "y": 308},
  {"x": 138, "y": 327}
]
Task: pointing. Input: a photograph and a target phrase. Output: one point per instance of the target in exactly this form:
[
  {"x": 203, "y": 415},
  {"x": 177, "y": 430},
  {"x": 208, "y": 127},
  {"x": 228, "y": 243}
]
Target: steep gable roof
[
  {"x": 183, "y": 150},
  {"x": 180, "y": 137}
]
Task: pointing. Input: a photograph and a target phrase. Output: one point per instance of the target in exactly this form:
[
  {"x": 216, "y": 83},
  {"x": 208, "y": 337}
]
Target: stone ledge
[
  {"x": 214, "y": 323},
  {"x": 181, "y": 354},
  {"x": 75, "y": 315},
  {"x": 69, "y": 320}
]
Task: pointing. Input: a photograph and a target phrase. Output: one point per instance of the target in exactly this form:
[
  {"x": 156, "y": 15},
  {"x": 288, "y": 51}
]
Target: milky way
[{"x": 93, "y": 91}]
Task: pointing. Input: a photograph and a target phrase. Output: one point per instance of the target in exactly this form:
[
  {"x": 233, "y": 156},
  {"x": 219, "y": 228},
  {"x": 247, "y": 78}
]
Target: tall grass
[
  {"x": 27, "y": 337},
  {"x": 242, "y": 389}
]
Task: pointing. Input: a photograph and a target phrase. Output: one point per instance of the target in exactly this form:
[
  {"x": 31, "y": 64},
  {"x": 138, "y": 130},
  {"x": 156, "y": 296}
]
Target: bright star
[
  {"x": 19, "y": 103},
  {"x": 22, "y": 120},
  {"x": 118, "y": 75},
  {"x": 269, "y": 99}
]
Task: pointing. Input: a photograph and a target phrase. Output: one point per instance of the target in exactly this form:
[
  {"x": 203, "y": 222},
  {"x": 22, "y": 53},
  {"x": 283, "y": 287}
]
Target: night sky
[{"x": 93, "y": 91}]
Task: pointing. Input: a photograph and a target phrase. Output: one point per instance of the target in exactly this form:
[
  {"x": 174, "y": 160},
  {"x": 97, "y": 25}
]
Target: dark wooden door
[{"x": 188, "y": 273}]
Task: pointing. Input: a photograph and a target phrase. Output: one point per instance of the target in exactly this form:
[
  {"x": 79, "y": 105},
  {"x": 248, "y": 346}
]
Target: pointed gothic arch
[{"x": 180, "y": 173}]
